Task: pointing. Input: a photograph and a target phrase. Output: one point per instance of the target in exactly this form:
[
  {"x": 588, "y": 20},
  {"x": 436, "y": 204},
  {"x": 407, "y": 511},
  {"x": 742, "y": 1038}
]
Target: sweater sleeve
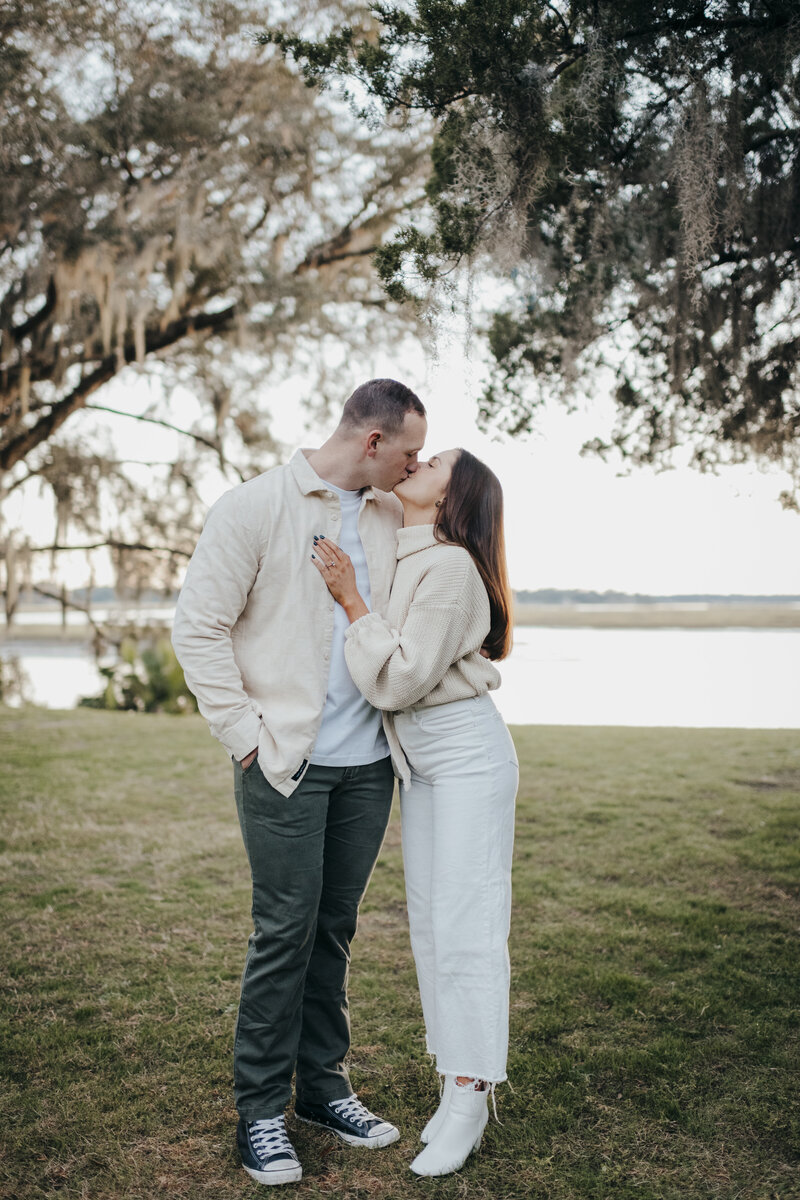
[
  {"x": 394, "y": 668},
  {"x": 218, "y": 579}
]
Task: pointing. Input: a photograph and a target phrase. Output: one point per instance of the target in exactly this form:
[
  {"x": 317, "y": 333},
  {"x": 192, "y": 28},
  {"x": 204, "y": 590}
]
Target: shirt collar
[{"x": 309, "y": 481}]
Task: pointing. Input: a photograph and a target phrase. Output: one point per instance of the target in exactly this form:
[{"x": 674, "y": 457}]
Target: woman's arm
[{"x": 396, "y": 668}]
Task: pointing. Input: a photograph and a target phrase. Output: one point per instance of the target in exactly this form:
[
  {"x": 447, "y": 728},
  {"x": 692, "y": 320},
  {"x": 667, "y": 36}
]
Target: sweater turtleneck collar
[{"x": 412, "y": 538}]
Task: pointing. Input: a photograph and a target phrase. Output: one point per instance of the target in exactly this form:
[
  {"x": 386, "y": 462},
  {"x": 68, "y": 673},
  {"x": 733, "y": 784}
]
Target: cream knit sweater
[{"x": 426, "y": 651}]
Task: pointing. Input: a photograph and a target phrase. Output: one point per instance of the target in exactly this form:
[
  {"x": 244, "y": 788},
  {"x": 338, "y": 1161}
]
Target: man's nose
[{"x": 412, "y": 467}]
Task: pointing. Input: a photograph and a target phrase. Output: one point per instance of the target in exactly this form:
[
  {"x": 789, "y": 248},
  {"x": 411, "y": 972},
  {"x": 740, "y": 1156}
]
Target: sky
[
  {"x": 571, "y": 521},
  {"x": 577, "y": 522}
]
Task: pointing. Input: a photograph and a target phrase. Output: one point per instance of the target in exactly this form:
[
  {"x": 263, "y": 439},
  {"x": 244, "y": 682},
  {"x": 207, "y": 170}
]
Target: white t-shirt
[{"x": 351, "y": 733}]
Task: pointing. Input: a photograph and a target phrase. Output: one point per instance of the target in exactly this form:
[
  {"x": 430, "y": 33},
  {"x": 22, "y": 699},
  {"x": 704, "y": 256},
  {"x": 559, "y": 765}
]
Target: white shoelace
[
  {"x": 269, "y": 1137},
  {"x": 353, "y": 1110}
]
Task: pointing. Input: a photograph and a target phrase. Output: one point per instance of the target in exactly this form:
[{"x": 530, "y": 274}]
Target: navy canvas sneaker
[
  {"x": 267, "y": 1154},
  {"x": 350, "y": 1121}
]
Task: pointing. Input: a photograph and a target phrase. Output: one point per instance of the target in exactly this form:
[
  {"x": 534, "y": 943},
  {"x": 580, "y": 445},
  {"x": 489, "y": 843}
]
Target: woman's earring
[{"x": 438, "y": 504}]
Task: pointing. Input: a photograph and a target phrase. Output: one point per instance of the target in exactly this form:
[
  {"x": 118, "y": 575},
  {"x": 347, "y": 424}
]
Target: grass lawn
[{"x": 655, "y": 1026}]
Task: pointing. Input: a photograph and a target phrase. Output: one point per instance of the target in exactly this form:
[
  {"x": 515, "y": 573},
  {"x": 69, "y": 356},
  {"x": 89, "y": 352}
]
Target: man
[{"x": 261, "y": 642}]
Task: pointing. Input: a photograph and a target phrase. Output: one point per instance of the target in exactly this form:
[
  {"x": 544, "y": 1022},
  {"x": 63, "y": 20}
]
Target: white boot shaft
[
  {"x": 459, "y": 1134},
  {"x": 435, "y": 1123}
]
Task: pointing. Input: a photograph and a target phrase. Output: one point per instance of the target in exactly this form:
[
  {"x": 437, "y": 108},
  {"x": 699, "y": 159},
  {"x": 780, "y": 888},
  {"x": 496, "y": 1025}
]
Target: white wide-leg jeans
[{"x": 458, "y": 834}]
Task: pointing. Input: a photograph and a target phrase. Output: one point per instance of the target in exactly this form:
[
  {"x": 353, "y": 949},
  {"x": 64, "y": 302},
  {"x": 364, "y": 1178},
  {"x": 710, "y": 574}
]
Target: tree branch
[
  {"x": 345, "y": 244},
  {"x": 580, "y": 52},
  {"x": 655, "y": 111},
  {"x": 772, "y": 136},
  {"x": 21, "y": 445},
  {"x": 705, "y": 25},
  {"x": 99, "y": 631},
  {"x": 255, "y": 228},
  {"x": 326, "y": 255},
  {"x": 114, "y": 544},
  {"x": 20, "y": 331},
  {"x": 6, "y": 491},
  {"x": 561, "y": 21},
  {"x": 120, "y": 412}
]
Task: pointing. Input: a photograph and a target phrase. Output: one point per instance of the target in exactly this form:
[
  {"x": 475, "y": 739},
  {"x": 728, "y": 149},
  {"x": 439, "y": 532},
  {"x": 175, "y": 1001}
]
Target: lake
[{"x": 737, "y": 678}]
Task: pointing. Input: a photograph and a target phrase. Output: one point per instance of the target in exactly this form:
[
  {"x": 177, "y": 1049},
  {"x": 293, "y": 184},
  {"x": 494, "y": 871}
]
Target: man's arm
[{"x": 218, "y": 580}]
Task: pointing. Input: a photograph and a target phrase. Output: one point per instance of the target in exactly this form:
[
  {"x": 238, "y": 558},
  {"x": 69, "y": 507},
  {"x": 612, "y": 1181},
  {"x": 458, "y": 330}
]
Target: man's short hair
[{"x": 381, "y": 404}]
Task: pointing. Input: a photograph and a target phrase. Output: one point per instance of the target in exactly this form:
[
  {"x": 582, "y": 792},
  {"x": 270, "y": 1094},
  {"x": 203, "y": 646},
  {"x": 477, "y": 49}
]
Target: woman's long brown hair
[{"x": 471, "y": 515}]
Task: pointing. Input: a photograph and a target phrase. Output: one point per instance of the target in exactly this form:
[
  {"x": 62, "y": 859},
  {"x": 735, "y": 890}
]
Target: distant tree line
[
  {"x": 109, "y": 595},
  {"x": 576, "y": 596}
]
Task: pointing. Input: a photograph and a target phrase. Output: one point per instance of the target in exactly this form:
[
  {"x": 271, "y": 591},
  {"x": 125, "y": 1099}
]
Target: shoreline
[
  {"x": 645, "y": 616},
  {"x": 552, "y": 616}
]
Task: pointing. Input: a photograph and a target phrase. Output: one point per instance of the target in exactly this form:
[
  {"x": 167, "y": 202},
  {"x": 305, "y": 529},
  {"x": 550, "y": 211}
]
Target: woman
[{"x": 427, "y": 664}]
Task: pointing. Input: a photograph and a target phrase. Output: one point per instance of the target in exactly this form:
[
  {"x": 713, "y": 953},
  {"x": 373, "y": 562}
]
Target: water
[
  {"x": 738, "y": 678},
  {"x": 55, "y": 674},
  {"x": 117, "y": 614}
]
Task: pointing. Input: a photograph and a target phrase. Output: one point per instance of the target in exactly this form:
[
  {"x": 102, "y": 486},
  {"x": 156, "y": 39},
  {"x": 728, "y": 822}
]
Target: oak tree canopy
[
  {"x": 177, "y": 208},
  {"x": 631, "y": 169}
]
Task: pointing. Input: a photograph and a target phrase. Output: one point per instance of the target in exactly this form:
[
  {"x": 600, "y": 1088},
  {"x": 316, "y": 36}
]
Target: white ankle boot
[
  {"x": 433, "y": 1126},
  {"x": 458, "y": 1135}
]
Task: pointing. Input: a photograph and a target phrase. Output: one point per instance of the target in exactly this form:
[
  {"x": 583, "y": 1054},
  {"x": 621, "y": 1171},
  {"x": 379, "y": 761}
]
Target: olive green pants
[{"x": 311, "y": 857}]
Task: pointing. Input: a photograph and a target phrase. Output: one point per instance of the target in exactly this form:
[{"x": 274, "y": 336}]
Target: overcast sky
[
  {"x": 571, "y": 522},
  {"x": 575, "y": 522}
]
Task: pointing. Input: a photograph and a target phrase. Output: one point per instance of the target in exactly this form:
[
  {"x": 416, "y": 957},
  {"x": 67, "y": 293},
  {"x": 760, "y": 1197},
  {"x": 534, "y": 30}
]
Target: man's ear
[{"x": 373, "y": 438}]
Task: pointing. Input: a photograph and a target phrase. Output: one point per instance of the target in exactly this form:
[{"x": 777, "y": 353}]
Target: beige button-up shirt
[{"x": 254, "y": 620}]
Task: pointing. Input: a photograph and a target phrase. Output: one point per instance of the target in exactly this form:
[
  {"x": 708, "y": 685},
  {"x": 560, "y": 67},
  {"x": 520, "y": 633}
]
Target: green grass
[{"x": 655, "y": 1030}]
